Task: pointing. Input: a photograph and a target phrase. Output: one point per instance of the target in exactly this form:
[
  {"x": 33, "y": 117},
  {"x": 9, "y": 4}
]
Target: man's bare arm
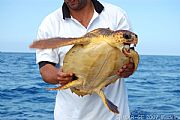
[{"x": 53, "y": 75}]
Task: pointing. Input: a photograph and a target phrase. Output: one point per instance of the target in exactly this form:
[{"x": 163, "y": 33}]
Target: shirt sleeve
[
  {"x": 50, "y": 55},
  {"x": 123, "y": 22}
]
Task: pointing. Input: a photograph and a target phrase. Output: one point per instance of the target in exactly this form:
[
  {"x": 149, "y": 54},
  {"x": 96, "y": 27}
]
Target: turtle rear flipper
[
  {"x": 57, "y": 42},
  {"x": 113, "y": 108}
]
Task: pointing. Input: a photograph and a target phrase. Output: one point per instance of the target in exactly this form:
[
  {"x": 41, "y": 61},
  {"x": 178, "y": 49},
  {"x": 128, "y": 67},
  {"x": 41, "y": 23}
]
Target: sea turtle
[{"x": 94, "y": 59}]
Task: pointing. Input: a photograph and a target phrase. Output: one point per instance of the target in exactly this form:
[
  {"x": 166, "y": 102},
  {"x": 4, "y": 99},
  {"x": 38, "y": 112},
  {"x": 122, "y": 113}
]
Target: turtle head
[{"x": 124, "y": 39}]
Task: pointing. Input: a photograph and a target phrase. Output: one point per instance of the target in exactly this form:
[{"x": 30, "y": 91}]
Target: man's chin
[{"x": 75, "y": 7}]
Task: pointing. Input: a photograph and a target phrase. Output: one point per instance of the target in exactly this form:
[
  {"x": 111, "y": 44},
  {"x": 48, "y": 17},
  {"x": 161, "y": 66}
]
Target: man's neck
[{"x": 83, "y": 15}]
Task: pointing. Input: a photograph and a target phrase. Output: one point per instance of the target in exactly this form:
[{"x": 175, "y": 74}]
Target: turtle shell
[
  {"x": 94, "y": 59},
  {"x": 92, "y": 64}
]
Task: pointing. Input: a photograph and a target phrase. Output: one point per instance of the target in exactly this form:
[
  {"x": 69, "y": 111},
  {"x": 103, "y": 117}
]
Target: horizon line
[{"x": 29, "y": 52}]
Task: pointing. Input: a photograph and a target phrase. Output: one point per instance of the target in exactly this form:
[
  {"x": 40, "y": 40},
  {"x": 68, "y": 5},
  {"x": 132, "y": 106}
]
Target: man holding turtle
[{"x": 75, "y": 19}]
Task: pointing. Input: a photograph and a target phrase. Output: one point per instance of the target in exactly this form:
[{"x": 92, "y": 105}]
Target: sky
[{"x": 156, "y": 22}]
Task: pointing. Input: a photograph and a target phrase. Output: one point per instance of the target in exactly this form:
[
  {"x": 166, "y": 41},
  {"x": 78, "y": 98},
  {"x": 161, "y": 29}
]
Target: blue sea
[{"x": 154, "y": 89}]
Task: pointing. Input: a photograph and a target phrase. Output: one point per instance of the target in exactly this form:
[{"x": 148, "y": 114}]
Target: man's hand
[
  {"x": 63, "y": 77},
  {"x": 126, "y": 70}
]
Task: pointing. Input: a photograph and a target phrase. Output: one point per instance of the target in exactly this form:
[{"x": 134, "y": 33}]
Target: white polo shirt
[{"x": 70, "y": 106}]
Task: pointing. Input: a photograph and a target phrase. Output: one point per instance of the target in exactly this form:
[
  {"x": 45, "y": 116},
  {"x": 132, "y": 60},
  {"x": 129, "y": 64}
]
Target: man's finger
[
  {"x": 131, "y": 65},
  {"x": 61, "y": 74},
  {"x": 120, "y": 70},
  {"x": 124, "y": 66},
  {"x": 64, "y": 78}
]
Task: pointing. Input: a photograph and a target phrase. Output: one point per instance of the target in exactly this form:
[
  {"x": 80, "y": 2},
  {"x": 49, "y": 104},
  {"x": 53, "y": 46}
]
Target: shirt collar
[{"x": 97, "y": 5}]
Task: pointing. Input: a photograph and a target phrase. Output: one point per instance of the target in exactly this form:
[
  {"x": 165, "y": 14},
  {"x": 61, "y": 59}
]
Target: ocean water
[{"x": 154, "y": 89}]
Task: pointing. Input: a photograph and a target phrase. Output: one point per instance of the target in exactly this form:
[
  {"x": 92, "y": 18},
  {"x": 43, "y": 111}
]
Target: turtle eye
[{"x": 127, "y": 36}]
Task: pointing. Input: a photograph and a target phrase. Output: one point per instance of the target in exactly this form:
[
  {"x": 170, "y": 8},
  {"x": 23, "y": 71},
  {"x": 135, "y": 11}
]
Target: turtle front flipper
[
  {"x": 57, "y": 42},
  {"x": 68, "y": 85},
  {"x": 113, "y": 108},
  {"x": 135, "y": 57}
]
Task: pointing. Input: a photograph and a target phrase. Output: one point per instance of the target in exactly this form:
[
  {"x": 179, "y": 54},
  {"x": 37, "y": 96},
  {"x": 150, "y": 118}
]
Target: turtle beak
[
  {"x": 131, "y": 39},
  {"x": 128, "y": 38}
]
